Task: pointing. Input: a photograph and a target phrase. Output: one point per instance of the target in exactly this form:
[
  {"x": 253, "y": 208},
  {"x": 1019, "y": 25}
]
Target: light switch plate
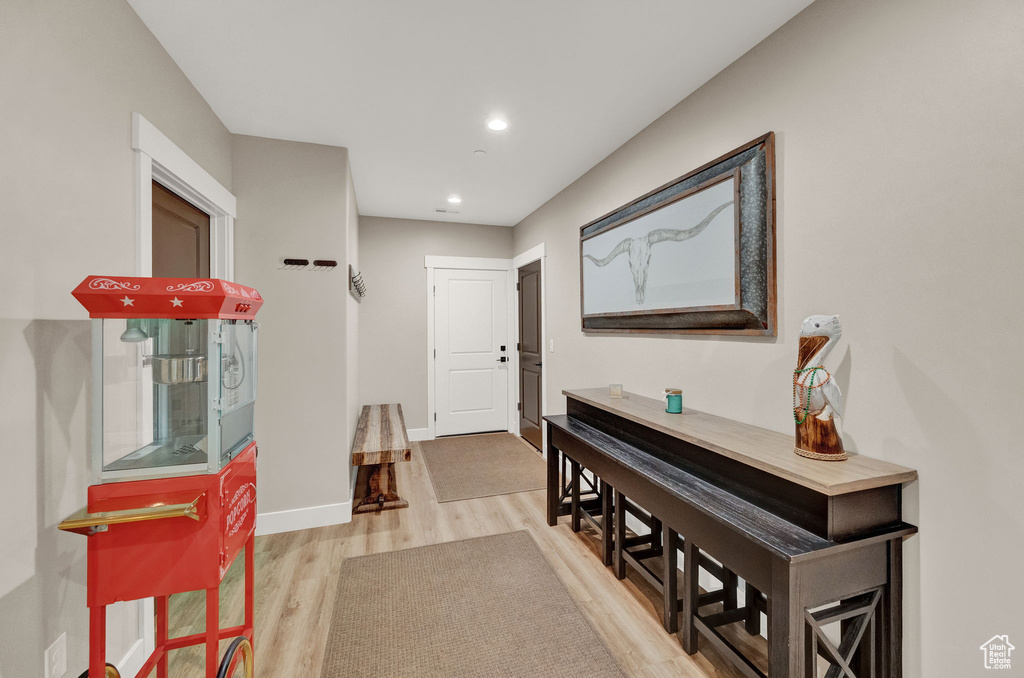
[{"x": 56, "y": 659}]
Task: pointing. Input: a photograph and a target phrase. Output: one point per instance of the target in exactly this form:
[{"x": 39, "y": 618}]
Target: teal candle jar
[{"x": 674, "y": 400}]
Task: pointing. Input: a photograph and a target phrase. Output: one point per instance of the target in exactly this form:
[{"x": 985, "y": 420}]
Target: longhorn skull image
[{"x": 639, "y": 249}]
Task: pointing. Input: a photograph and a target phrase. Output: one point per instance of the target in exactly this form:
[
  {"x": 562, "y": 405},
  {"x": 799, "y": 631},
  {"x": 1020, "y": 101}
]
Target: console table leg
[
  {"x": 607, "y": 523},
  {"x": 892, "y": 625},
  {"x": 670, "y": 598},
  {"x": 554, "y": 481},
  {"x": 620, "y": 535},
  {"x": 575, "y": 512},
  {"x": 788, "y": 640},
  {"x": 691, "y": 595}
]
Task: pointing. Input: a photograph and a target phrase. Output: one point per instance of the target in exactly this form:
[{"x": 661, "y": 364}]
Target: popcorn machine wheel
[{"x": 173, "y": 502}]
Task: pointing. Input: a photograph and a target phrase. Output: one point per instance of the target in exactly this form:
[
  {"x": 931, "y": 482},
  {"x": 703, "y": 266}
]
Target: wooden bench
[{"x": 381, "y": 440}]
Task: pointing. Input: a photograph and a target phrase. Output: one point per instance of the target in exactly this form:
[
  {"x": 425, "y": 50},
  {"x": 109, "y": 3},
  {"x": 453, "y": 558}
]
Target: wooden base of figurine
[
  {"x": 819, "y": 439},
  {"x": 821, "y": 457}
]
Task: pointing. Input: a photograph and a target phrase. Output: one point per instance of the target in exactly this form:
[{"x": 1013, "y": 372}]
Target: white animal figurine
[{"x": 816, "y": 395}]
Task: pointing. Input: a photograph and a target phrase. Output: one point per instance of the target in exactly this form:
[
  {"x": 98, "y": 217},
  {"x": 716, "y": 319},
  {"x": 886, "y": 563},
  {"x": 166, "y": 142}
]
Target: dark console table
[{"x": 816, "y": 542}]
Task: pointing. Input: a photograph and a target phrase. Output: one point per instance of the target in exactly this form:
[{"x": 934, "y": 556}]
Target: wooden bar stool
[
  {"x": 662, "y": 542},
  {"x": 589, "y": 498},
  {"x": 694, "y": 560},
  {"x": 598, "y": 514}
]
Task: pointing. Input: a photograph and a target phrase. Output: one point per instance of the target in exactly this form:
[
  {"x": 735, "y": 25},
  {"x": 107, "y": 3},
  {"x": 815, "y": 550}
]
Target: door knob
[
  {"x": 502, "y": 359},
  {"x": 537, "y": 364}
]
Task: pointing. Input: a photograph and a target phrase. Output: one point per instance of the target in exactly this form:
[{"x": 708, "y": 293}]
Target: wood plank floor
[{"x": 296, "y": 576}]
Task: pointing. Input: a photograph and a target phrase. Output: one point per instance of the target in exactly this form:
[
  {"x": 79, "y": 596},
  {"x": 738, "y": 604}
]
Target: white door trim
[
  {"x": 432, "y": 262},
  {"x": 535, "y": 253},
  {"x": 157, "y": 158},
  {"x": 529, "y": 256},
  {"x": 467, "y": 263}
]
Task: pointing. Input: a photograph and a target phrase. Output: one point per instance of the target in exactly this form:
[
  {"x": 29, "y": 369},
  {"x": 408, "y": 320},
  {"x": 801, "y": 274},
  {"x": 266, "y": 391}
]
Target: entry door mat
[
  {"x": 467, "y": 467},
  {"x": 484, "y": 607}
]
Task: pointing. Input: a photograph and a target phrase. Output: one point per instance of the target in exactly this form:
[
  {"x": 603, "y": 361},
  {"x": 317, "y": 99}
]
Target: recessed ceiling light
[
  {"x": 454, "y": 199},
  {"x": 497, "y": 124},
  {"x": 480, "y": 152}
]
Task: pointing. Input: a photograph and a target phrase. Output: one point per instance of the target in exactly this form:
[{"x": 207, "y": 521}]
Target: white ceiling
[{"x": 408, "y": 85}]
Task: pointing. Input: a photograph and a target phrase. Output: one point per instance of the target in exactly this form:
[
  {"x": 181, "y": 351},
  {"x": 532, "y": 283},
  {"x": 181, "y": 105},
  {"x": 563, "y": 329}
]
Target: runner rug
[
  {"x": 467, "y": 467},
  {"x": 484, "y": 607}
]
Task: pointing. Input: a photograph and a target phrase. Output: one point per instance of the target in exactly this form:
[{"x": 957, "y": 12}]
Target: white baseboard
[
  {"x": 417, "y": 434},
  {"x": 303, "y": 518},
  {"x": 133, "y": 660}
]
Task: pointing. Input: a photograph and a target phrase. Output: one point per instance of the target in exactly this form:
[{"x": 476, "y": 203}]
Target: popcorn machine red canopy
[{"x": 119, "y": 297}]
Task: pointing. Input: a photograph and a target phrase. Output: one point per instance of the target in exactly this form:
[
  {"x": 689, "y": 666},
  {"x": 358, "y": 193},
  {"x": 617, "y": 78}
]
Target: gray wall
[
  {"x": 71, "y": 75},
  {"x": 393, "y": 324},
  {"x": 352, "y": 320},
  {"x": 295, "y": 200},
  {"x": 900, "y": 155}
]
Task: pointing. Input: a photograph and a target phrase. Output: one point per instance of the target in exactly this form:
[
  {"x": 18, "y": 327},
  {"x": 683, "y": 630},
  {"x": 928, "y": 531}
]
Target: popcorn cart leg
[
  {"x": 250, "y": 586},
  {"x": 212, "y": 630},
  {"x": 162, "y": 605},
  {"x": 98, "y": 641}
]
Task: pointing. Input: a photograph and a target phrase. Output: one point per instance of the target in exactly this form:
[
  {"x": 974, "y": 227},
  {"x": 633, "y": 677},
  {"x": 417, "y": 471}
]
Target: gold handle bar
[{"x": 87, "y": 523}]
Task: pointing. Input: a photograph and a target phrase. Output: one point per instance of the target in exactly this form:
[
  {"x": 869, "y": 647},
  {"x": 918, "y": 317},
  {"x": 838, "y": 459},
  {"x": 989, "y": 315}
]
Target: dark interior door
[
  {"x": 181, "y": 237},
  {"x": 531, "y": 350}
]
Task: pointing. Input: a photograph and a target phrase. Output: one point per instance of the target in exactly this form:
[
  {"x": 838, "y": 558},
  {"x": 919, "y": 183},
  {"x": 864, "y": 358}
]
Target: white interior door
[{"x": 471, "y": 338}]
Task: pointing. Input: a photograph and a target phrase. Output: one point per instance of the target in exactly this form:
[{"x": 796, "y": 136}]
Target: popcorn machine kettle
[{"x": 173, "y": 499}]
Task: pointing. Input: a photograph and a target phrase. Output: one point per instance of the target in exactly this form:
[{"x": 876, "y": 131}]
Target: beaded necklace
[{"x": 810, "y": 385}]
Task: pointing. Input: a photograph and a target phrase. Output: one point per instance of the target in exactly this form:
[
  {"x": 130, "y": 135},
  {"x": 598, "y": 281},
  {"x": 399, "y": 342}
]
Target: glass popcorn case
[{"x": 178, "y": 365}]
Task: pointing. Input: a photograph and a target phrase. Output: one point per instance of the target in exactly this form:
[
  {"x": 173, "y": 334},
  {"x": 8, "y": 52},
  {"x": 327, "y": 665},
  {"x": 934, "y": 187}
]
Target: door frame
[
  {"x": 159, "y": 159},
  {"x": 432, "y": 262},
  {"x": 535, "y": 253}
]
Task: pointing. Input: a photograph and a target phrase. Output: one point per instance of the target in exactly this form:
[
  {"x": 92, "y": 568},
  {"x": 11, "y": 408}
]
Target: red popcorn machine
[{"x": 173, "y": 499}]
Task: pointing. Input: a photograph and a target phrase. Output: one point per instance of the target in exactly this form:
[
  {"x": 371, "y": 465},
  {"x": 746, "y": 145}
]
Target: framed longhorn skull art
[{"x": 695, "y": 256}]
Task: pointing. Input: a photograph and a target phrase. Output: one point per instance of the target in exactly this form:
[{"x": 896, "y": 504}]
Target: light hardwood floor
[{"x": 296, "y": 574}]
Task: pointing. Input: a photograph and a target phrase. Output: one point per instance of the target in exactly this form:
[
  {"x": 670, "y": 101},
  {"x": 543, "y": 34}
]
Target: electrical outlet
[{"x": 57, "y": 658}]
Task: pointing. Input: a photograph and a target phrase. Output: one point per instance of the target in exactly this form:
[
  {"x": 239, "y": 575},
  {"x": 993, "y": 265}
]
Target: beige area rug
[
  {"x": 467, "y": 467},
  {"x": 478, "y": 608}
]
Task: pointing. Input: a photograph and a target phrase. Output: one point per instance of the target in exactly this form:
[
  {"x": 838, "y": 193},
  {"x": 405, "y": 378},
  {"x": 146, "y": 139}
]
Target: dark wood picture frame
[{"x": 753, "y": 313}]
